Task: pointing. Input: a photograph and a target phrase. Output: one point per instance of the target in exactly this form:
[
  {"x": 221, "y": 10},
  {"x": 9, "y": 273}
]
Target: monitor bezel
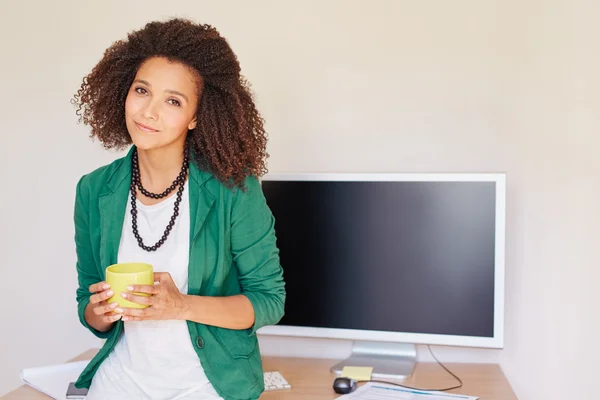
[{"x": 497, "y": 341}]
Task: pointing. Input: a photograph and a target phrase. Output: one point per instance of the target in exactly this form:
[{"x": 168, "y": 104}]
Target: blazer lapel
[
  {"x": 112, "y": 206},
  {"x": 201, "y": 202}
]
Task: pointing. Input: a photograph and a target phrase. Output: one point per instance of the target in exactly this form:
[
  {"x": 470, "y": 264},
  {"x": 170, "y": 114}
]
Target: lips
[{"x": 145, "y": 128}]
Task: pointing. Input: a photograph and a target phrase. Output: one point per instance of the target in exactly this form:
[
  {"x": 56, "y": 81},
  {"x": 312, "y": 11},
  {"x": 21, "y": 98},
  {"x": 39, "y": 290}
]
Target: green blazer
[{"x": 232, "y": 251}]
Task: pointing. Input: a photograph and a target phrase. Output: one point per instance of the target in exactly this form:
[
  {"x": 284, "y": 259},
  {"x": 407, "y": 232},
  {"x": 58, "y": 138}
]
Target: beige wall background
[{"x": 345, "y": 86}]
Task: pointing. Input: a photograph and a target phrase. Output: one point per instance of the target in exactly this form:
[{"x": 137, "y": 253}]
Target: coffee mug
[{"x": 121, "y": 275}]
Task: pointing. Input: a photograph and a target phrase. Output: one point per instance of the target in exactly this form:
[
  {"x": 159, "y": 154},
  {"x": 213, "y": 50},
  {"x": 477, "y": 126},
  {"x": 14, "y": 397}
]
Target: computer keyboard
[{"x": 275, "y": 381}]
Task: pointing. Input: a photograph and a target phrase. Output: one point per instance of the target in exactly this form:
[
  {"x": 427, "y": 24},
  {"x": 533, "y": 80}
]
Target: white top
[{"x": 155, "y": 359}]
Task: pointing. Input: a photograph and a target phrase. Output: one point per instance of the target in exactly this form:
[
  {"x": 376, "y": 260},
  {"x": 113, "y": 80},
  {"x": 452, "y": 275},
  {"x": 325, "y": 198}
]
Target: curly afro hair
[{"x": 229, "y": 140}]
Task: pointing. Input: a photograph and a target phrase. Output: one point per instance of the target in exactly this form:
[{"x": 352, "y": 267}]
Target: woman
[{"x": 187, "y": 200}]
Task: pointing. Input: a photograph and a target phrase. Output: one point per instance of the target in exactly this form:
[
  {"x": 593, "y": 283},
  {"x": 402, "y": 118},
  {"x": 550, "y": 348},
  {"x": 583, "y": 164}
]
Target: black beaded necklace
[{"x": 137, "y": 183}]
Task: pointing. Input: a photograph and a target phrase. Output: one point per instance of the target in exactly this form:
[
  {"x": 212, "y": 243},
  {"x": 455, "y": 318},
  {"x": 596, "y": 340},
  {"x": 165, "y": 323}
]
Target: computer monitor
[{"x": 390, "y": 261}]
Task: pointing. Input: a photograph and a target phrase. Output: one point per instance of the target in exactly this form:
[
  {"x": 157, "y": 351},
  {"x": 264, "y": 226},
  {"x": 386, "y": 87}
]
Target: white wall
[{"x": 377, "y": 86}]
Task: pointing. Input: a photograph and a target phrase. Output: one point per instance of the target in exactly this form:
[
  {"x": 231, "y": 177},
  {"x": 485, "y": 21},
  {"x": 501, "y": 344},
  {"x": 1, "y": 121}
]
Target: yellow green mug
[{"x": 121, "y": 275}]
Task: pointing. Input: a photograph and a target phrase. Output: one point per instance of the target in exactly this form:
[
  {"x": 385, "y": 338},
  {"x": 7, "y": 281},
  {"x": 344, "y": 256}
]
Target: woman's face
[{"x": 161, "y": 104}]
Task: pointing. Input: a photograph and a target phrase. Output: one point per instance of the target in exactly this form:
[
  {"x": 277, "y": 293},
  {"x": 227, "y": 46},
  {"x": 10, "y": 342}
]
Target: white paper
[
  {"x": 53, "y": 380},
  {"x": 381, "y": 391}
]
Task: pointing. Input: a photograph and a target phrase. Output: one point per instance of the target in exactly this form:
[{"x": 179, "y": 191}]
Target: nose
[{"x": 151, "y": 110}]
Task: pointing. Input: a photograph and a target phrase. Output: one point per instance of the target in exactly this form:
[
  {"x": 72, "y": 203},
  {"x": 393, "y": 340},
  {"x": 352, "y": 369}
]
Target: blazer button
[{"x": 200, "y": 342}]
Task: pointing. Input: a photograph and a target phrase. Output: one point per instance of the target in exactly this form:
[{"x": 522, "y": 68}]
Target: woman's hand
[
  {"x": 165, "y": 300},
  {"x": 99, "y": 314}
]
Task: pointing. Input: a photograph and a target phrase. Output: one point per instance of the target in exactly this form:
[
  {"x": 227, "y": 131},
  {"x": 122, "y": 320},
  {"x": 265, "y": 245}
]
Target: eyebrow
[{"x": 168, "y": 90}]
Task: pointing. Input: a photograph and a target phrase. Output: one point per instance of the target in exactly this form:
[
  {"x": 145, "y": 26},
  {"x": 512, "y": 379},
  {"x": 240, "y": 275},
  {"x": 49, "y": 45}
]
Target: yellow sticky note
[{"x": 358, "y": 373}]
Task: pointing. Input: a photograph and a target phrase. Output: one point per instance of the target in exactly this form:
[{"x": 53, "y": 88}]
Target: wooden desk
[{"x": 311, "y": 380}]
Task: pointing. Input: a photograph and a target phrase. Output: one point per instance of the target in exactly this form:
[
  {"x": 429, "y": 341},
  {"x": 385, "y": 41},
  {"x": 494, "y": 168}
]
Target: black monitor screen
[{"x": 414, "y": 257}]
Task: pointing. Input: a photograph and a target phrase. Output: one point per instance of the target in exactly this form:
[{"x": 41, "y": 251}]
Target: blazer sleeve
[
  {"x": 87, "y": 273},
  {"x": 256, "y": 255}
]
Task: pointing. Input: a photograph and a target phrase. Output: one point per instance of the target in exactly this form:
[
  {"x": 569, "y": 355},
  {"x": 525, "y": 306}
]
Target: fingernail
[
  {"x": 130, "y": 288},
  {"x": 110, "y": 293},
  {"x": 105, "y": 286},
  {"x": 124, "y": 295},
  {"x": 119, "y": 310},
  {"x": 113, "y": 305}
]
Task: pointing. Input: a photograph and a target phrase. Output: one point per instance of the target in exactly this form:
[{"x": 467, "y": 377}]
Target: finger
[
  {"x": 134, "y": 312},
  {"x": 98, "y": 287},
  {"x": 98, "y": 297},
  {"x": 144, "y": 300},
  {"x": 149, "y": 289},
  {"x": 111, "y": 317},
  {"x": 105, "y": 308},
  {"x": 162, "y": 276},
  {"x": 127, "y": 318}
]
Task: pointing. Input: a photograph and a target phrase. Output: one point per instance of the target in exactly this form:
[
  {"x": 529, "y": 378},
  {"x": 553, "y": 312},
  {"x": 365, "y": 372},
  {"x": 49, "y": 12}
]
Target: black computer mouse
[{"x": 344, "y": 385}]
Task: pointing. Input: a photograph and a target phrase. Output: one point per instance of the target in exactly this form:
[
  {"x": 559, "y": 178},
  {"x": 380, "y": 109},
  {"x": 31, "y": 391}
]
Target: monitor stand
[{"x": 389, "y": 359}]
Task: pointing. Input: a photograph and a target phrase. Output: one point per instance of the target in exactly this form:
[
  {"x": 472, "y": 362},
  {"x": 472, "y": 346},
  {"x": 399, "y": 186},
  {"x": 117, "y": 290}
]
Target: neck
[{"x": 159, "y": 167}]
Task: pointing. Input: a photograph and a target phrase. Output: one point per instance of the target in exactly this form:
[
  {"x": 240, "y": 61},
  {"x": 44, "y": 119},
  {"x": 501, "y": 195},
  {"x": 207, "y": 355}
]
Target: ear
[{"x": 193, "y": 123}]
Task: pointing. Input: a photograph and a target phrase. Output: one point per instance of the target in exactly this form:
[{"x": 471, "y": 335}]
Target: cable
[{"x": 426, "y": 390}]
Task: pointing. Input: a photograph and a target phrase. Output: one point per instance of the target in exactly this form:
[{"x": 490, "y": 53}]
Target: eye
[
  {"x": 140, "y": 90},
  {"x": 174, "y": 102}
]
